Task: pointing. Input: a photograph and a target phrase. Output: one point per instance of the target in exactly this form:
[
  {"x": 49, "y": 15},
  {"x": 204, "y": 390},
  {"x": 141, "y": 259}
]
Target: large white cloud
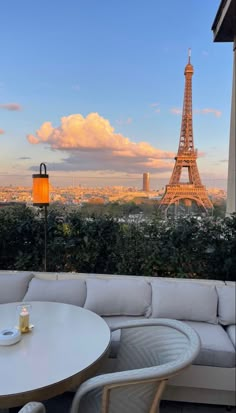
[{"x": 92, "y": 144}]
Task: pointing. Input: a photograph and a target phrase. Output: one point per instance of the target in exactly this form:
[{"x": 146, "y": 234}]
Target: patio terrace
[{"x": 61, "y": 404}]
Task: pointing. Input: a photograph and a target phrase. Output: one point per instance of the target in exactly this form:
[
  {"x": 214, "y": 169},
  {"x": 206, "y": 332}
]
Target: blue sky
[{"x": 103, "y": 83}]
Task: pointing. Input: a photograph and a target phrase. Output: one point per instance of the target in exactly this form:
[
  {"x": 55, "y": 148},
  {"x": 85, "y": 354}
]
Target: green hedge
[{"x": 187, "y": 247}]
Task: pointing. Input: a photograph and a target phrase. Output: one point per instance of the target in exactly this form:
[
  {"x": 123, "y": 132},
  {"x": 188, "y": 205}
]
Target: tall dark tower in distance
[
  {"x": 181, "y": 196},
  {"x": 146, "y": 184}
]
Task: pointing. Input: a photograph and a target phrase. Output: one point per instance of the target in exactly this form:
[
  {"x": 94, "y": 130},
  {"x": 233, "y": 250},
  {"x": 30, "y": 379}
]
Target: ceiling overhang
[{"x": 224, "y": 25}]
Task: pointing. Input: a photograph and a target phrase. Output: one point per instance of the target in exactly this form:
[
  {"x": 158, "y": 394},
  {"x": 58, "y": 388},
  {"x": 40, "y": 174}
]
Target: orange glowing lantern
[{"x": 41, "y": 187}]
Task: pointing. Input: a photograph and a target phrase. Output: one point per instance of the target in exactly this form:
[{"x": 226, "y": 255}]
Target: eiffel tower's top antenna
[
  {"x": 189, "y": 66},
  {"x": 189, "y": 55}
]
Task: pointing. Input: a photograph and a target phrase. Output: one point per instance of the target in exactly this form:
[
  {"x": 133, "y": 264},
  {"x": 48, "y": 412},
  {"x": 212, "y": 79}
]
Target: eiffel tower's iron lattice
[{"x": 193, "y": 190}]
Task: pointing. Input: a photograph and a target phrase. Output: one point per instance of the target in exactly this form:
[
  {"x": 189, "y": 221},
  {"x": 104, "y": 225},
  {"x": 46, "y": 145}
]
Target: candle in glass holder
[{"x": 24, "y": 320}]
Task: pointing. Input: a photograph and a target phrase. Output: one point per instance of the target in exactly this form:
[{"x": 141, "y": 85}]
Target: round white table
[{"x": 65, "y": 347}]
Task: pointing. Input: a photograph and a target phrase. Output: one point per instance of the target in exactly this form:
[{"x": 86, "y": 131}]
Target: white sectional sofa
[{"x": 206, "y": 305}]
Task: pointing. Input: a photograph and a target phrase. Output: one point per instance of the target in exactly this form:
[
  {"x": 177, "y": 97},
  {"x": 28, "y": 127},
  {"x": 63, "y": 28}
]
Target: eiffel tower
[{"x": 186, "y": 195}]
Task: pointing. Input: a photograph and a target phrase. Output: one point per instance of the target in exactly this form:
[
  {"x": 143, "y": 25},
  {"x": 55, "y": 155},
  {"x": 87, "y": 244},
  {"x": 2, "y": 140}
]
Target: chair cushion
[
  {"x": 184, "y": 301},
  {"x": 226, "y": 305},
  {"x": 13, "y": 286},
  {"x": 231, "y": 331},
  {"x": 118, "y": 297},
  {"x": 217, "y": 349},
  {"x": 61, "y": 291}
]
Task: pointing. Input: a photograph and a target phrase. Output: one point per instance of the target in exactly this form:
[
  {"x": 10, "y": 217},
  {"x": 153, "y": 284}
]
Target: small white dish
[{"x": 9, "y": 336}]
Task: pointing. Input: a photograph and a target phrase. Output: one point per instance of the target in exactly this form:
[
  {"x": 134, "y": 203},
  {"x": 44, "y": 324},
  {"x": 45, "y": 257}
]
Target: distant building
[
  {"x": 96, "y": 200},
  {"x": 146, "y": 186},
  {"x": 11, "y": 203}
]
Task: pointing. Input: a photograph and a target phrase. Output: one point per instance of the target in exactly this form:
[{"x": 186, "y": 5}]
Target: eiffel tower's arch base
[{"x": 179, "y": 206}]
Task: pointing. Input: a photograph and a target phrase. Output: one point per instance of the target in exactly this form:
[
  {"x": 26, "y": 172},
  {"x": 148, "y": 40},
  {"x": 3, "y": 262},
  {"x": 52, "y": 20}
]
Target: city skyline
[{"x": 92, "y": 95}]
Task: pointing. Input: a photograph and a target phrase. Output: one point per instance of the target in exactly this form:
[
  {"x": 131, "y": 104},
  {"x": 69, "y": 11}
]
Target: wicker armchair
[
  {"x": 150, "y": 352},
  {"x": 33, "y": 407}
]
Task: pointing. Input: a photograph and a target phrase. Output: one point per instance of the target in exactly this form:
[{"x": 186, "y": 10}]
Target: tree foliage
[{"x": 187, "y": 247}]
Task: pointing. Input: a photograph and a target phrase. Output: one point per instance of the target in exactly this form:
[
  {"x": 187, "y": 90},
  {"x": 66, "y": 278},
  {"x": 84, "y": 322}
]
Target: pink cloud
[
  {"x": 32, "y": 139},
  {"x": 176, "y": 111},
  {"x": 201, "y": 154},
  {"x": 2, "y": 131},
  {"x": 10, "y": 106},
  {"x": 205, "y": 111},
  {"x": 215, "y": 112},
  {"x": 91, "y": 142},
  {"x": 127, "y": 121},
  {"x": 155, "y": 107}
]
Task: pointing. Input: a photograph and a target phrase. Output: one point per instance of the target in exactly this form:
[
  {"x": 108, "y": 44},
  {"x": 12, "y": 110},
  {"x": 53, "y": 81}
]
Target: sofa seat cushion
[
  {"x": 185, "y": 300},
  {"x": 231, "y": 331},
  {"x": 13, "y": 286},
  {"x": 115, "y": 335},
  {"x": 226, "y": 304},
  {"x": 117, "y": 297},
  {"x": 217, "y": 349},
  {"x": 61, "y": 291}
]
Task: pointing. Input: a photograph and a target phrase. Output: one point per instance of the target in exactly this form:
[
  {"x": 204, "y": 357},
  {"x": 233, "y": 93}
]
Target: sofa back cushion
[
  {"x": 184, "y": 300},
  {"x": 61, "y": 291},
  {"x": 226, "y": 304},
  {"x": 118, "y": 297},
  {"x": 13, "y": 287}
]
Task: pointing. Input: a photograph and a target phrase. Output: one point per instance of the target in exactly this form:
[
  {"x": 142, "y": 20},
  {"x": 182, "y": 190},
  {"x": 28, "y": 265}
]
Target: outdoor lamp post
[{"x": 41, "y": 199}]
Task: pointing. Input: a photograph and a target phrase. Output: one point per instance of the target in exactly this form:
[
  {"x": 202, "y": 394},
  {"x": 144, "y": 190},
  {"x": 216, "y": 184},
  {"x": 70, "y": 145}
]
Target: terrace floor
[{"x": 61, "y": 404}]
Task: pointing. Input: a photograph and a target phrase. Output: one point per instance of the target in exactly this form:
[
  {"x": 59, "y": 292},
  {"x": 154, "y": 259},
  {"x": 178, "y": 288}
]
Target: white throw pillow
[
  {"x": 118, "y": 297},
  {"x": 184, "y": 301},
  {"x": 61, "y": 291},
  {"x": 13, "y": 287},
  {"x": 227, "y": 305}
]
